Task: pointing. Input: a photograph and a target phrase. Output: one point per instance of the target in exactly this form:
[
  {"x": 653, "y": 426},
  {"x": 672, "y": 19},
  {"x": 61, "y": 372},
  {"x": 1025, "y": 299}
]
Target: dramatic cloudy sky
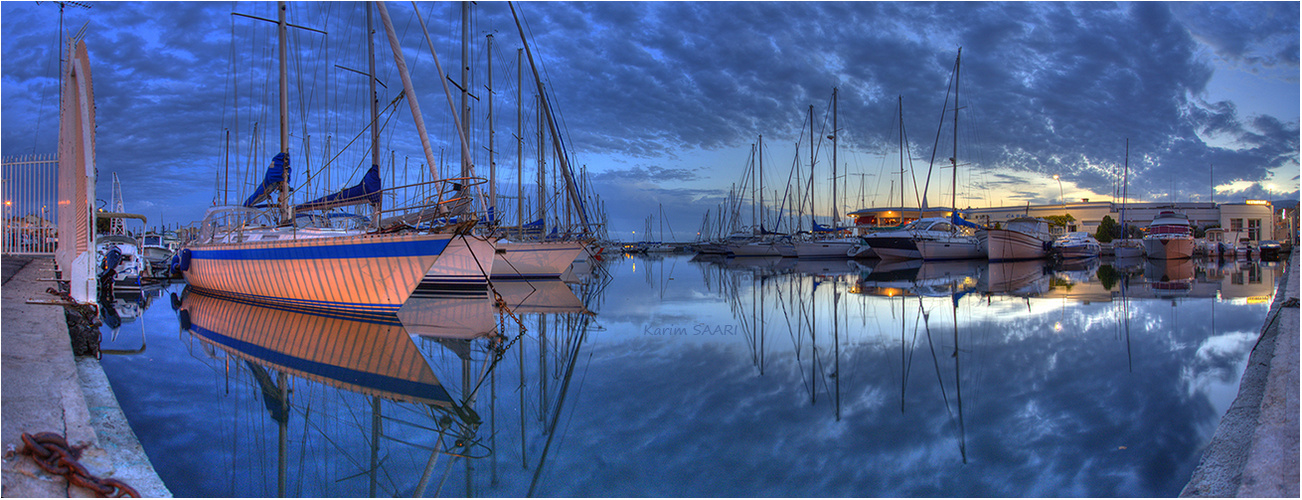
[{"x": 662, "y": 101}]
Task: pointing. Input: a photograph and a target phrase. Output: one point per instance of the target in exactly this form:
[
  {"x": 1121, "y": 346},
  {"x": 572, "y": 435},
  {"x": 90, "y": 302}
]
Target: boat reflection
[
  {"x": 290, "y": 356},
  {"x": 124, "y": 307},
  {"x": 374, "y": 358}
]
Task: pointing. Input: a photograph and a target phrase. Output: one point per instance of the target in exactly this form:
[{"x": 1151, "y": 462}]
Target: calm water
[{"x": 688, "y": 378}]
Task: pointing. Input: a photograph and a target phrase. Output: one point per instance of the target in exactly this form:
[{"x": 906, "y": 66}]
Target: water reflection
[
  {"x": 123, "y": 309},
  {"x": 712, "y": 377},
  {"x": 959, "y": 322}
]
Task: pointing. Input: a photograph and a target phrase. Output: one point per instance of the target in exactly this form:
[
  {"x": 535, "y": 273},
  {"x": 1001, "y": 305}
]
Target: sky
[{"x": 660, "y": 102}]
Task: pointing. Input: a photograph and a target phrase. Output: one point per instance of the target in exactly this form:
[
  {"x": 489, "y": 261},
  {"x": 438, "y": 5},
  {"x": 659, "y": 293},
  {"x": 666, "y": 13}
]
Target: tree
[
  {"x": 1108, "y": 230},
  {"x": 1060, "y": 220}
]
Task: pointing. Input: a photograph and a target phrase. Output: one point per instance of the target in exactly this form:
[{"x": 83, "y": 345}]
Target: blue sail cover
[
  {"x": 819, "y": 228},
  {"x": 534, "y": 228},
  {"x": 960, "y": 221},
  {"x": 367, "y": 191},
  {"x": 277, "y": 173}
]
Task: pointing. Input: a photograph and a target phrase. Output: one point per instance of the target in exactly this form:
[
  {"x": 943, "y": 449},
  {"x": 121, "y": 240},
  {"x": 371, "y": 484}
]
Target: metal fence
[{"x": 30, "y": 190}]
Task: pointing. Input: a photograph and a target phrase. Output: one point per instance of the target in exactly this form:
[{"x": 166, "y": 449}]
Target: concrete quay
[
  {"x": 47, "y": 389},
  {"x": 1254, "y": 452}
]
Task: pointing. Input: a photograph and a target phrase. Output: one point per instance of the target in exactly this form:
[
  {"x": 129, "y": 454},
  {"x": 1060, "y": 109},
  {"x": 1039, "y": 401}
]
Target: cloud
[{"x": 1046, "y": 88}]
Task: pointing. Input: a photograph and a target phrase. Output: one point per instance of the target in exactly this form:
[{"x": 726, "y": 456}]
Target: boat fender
[
  {"x": 176, "y": 302},
  {"x": 184, "y": 265},
  {"x": 184, "y": 318}
]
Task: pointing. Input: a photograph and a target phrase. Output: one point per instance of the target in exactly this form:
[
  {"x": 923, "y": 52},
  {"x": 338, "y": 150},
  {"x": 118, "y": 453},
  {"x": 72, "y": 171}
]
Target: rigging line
[
  {"x": 392, "y": 104},
  {"x": 936, "y": 146},
  {"x": 881, "y": 168}
]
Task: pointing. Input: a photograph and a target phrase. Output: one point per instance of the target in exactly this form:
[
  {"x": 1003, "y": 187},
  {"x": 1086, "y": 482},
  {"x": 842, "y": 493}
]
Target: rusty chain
[{"x": 52, "y": 454}]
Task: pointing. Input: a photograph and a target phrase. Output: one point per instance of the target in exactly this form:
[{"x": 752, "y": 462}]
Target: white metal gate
[{"x": 30, "y": 192}]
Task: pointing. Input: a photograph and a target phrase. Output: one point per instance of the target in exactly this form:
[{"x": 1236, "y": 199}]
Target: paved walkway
[
  {"x": 1255, "y": 450},
  {"x": 45, "y": 389}
]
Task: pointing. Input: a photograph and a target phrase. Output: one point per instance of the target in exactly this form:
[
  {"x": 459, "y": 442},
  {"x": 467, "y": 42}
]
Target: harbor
[
  {"x": 1248, "y": 455},
  {"x": 650, "y": 249}
]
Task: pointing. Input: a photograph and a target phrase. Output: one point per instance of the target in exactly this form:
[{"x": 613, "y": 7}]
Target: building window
[
  {"x": 1254, "y": 229},
  {"x": 1236, "y": 225}
]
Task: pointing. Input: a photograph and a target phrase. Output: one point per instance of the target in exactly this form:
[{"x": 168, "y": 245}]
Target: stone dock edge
[
  {"x": 47, "y": 389},
  {"x": 1254, "y": 453}
]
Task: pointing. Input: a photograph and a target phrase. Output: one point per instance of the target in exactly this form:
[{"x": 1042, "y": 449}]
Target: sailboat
[
  {"x": 961, "y": 242},
  {"x": 821, "y": 247},
  {"x": 661, "y": 246},
  {"x": 1020, "y": 238},
  {"x": 1126, "y": 248},
  {"x": 901, "y": 243},
  {"x": 542, "y": 258},
  {"x": 254, "y": 252},
  {"x": 756, "y": 243}
]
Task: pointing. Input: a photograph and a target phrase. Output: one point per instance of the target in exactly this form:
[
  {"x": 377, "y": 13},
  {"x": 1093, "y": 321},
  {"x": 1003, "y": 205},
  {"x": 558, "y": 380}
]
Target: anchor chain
[{"x": 52, "y": 454}]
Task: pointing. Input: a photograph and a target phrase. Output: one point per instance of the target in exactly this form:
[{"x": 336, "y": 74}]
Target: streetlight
[{"x": 1061, "y": 200}]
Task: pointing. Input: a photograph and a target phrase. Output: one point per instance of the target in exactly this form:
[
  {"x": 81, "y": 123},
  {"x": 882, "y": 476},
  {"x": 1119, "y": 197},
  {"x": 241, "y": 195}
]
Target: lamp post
[{"x": 1061, "y": 200}]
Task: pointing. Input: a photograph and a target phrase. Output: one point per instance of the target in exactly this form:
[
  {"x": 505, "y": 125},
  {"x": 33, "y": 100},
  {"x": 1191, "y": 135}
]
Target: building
[{"x": 1252, "y": 219}]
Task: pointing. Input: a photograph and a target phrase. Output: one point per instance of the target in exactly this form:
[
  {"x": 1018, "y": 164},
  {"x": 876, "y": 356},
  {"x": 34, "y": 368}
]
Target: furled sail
[
  {"x": 819, "y": 228},
  {"x": 277, "y": 173},
  {"x": 367, "y": 191},
  {"x": 957, "y": 219}
]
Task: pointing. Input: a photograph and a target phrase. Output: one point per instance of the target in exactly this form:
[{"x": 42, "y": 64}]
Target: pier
[
  {"x": 47, "y": 389},
  {"x": 1255, "y": 450}
]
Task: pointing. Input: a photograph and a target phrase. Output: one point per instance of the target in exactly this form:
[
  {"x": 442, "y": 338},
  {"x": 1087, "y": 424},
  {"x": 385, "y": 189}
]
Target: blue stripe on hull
[{"x": 362, "y": 249}]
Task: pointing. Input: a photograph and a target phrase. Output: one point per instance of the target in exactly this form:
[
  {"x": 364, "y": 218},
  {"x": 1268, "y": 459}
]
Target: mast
[
  {"x": 1125, "y": 191},
  {"x": 902, "y": 202},
  {"x": 754, "y": 211},
  {"x": 812, "y": 208},
  {"x": 410, "y": 93},
  {"x": 760, "y": 149},
  {"x": 492, "y": 164},
  {"x": 375, "y": 104},
  {"x": 370, "y": 79},
  {"x": 551, "y": 125},
  {"x": 519, "y": 144},
  {"x": 836, "y": 216},
  {"x": 542, "y": 168},
  {"x": 282, "y": 49},
  {"x": 226, "y": 178},
  {"x": 953, "y": 160},
  {"x": 465, "y": 86}
]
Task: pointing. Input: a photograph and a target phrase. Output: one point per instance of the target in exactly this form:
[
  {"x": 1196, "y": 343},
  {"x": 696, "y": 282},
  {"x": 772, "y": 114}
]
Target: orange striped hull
[{"x": 361, "y": 273}]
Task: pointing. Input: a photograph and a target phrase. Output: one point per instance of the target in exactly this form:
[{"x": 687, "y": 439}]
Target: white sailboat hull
[
  {"x": 534, "y": 259},
  {"x": 754, "y": 249},
  {"x": 1005, "y": 244},
  {"x": 465, "y": 265},
  {"x": 952, "y": 248},
  {"x": 825, "y": 249}
]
